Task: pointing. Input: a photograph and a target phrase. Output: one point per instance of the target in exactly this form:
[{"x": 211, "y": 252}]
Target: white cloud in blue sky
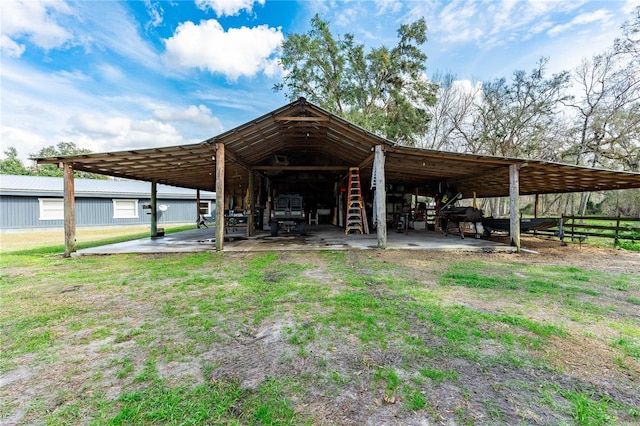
[
  {"x": 35, "y": 22},
  {"x": 236, "y": 52},
  {"x": 228, "y": 7},
  {"x": 123, "y": 75}
]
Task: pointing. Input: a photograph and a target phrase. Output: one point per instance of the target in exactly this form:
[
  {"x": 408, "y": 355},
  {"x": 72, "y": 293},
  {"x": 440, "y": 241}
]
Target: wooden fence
[{"x": 580, "y": 227}]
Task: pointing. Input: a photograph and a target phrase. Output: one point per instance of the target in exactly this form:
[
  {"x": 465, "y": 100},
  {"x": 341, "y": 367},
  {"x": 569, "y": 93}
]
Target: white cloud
[
  {"x": 155, "y": 12},
  {"x": 110, "y": 26},
  {"x": 35, "y": 21},
  {"x": 247, "y": 102},
  {"x": 538, "y": 8},
  {"x": 385, "y": 7},
  {"x": 489, "y": 24},
  {"x": 100, "y": 126},
  {"x": 136, "y": 101},
  {"x": 582, "y": 19},
  {"x": 99, "y": 132},
  {"x": 199, "y": 115},
  {"x": 272, "y": 68},
  {"x": 538, "y": 28},
  {"x": 26, "y": 142},
  {"x": 460, "y": 22},
  {"x": 349, "y": 15},
  {"x": 630, "y": 5},
  {"x": 41, "y": 109},
  {"x": 70, "y": 76},
  {"x": 236, "y": 52},
  {"x": 502, "y": 15},
  {"x": 10, "y": 48},
  {"x": 111, "y": 73},
  {"x": 228, "y": 7}
]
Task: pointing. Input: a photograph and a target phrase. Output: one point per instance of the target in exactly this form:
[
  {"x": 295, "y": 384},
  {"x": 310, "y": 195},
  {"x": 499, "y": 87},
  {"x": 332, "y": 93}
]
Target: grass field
[{"x": 336, "y": 337}]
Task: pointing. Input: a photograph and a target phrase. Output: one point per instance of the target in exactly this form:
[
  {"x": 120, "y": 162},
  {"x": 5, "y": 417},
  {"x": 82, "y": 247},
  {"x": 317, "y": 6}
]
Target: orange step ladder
[{"x": 356, "y": 216}]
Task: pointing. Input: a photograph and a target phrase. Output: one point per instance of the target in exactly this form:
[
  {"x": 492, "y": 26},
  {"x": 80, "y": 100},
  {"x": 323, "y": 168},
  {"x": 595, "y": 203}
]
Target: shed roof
[
  {"x": 303, "y": 137},
  {"x": 43, "y": 186}
]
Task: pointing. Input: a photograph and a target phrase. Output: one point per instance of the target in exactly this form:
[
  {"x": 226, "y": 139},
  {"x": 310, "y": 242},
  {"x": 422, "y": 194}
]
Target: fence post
[
  {"x": 616, "y": 240},
  {"x": 573, "y": 222},
  {"x": 561, "y": 230}
]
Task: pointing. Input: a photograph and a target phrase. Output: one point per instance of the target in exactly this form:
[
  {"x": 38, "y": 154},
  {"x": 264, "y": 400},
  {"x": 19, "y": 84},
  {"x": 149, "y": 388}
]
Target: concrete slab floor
[{"x": 319, "y": 237}]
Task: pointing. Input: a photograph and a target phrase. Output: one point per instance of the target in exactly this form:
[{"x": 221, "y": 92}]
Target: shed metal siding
[
  {"x": 20, "y": 208},
  {"x": 19, "y": 212},
  {"x": 23, "y": 213}
]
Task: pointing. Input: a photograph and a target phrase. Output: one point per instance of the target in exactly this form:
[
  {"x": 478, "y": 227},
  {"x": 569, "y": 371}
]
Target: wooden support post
[
  {"x": 198, "y": 207},
  {"x": 154, "y": 209},
  {"x": 535, "y": 211},
  {"x": 252, "y": 204},
  {"x": 69, "y": 210},
  {"x": 259, "y": 199},
  {"x": 219, "y": 196},
  {"x": 268, "y": 203},
  {"x": 381, "y": 197},
  {"x": 514, "y": 205}
]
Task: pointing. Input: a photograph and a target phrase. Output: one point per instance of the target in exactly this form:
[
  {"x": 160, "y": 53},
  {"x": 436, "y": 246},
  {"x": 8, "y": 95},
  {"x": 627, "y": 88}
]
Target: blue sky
[{"x": 125, "y": 75}]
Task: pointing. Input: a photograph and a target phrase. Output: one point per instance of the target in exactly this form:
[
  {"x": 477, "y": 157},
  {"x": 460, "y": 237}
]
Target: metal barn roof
[{"x": 303, "y": 137}]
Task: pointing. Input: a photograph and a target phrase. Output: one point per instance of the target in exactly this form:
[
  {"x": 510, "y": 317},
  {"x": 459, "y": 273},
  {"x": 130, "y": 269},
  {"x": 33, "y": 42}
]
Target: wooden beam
[
  {"x": 319, "y": 119},
  {"x": 220, "y": 157},
  {"x": 381, "y": 197},
  {"x": 231, "y": 156},
  {"x": 69, "y": 210},
  {"x": 364, "y": 163},
  {"x": 302, "y": 168},
  {"x": 514, "y": 205}
]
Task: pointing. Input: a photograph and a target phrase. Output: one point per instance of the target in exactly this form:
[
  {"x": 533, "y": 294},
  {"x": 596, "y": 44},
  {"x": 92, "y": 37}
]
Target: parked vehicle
[{"x": 288, "y": 215}]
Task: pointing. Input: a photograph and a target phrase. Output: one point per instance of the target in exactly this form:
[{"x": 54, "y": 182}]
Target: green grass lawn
[{"x": 305, "y": 338}]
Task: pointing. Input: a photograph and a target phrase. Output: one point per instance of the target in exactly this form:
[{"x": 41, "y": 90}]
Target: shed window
[
  {"x": 205, "y": 208},
  {"x": 125, "y": 209},
  {"x": 51, "y": 208}
]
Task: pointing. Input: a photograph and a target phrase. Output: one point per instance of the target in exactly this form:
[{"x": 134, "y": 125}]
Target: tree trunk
[
  {"x": 584, "y": 200},
  {"x": 495, "y": 207}
]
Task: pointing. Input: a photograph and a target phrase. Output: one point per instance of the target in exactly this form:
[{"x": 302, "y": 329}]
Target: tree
[
  {"x": 452, "y": 114},
  {"x": 607, "y": 127},
  {"x": 629, "y": 43},
  {"x": 385, "y": 90},
  {"x": 12, "y": 165},
  {"x": 61, "y": 149},
  {"x": 515, "y": 117}
]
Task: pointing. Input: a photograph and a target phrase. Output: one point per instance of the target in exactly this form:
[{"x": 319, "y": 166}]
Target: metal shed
[
  {"x": 29, "y": 202},
  {"x": 308, "y": 145}
]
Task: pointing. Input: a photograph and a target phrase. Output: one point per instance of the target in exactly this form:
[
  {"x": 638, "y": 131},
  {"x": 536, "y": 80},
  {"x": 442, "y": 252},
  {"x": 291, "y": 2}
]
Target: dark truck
[{"x": 288, "y": 214}]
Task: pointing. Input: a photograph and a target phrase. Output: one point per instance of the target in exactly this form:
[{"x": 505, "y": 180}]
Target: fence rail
[{"x": 579, "y": 227}]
